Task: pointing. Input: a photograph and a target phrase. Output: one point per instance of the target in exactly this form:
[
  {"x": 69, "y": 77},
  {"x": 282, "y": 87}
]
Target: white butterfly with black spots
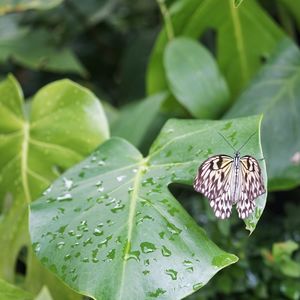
[{"x": 227, "y": 180}]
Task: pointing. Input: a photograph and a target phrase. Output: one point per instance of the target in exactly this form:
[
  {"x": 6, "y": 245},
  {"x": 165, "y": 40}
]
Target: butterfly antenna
[
  {"x": 226, "y": 140},
  {"x": 249, "y": 138}
]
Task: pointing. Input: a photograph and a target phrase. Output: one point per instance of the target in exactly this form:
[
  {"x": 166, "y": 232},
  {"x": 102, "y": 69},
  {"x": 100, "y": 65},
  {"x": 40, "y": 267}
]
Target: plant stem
[{"x": 167, "y": 19}]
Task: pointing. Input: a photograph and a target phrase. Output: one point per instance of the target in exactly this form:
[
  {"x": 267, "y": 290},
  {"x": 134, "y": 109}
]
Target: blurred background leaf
[{"x": 275, "y": 92}]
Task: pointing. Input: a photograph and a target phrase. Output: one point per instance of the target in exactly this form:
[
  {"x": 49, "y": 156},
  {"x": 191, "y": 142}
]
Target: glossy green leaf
[
  {"x": 66, "y": 123},
  {"x": 244, "y": 37},
  {"x": 291, "y": 289},
  {"x": 10, "y": 292},
  {"x": 136, "y": 118},
  {"x": 8, "y": 6},
  {"x": 194, "y": 79},
  {"x": 34, "y": 50},
  {"x": 113, "y": 214},
  {"x": 275, "y": 92}
]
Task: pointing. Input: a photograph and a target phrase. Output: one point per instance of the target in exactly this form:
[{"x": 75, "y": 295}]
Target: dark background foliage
[{"x": 109, "y": 44}]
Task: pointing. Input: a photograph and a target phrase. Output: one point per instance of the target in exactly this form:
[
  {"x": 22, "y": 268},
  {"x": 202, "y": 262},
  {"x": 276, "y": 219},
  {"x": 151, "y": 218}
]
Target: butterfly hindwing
[
  {"x": 213, "y": 181},
  {"x": 252, "y": 185}
]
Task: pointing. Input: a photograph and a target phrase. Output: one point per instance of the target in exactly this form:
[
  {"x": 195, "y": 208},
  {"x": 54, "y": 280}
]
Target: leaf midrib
[{"x": 132, "y": 209}]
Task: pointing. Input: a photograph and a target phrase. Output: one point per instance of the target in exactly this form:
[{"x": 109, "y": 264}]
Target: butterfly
[{"x": 228, "y": 181}]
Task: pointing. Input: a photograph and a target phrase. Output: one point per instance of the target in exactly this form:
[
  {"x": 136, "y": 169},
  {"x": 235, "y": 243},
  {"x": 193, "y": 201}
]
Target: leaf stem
[{"x": 167, "y": 18}]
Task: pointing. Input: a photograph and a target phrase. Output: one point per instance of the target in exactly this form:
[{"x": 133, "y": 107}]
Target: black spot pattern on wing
[
  {"x": 213, "y": 181},
  {"x": 252, "y": 186}
]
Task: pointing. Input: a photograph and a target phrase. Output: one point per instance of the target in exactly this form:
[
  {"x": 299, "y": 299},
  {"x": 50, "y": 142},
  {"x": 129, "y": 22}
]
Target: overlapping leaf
[
  {"x": 66, "y": 123},
  {"x": 276, "y": 93},
  {"x": 245, "y": 36},
  {"x": 194, "y": 79},
  {"x": 113, "y": 214}
]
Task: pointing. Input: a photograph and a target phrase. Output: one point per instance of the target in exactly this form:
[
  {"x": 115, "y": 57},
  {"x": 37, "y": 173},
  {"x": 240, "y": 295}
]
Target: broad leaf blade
[
  {"x": 194, "y": 79},
  {"x": 275, "y": 92},
  {"x": 237, "y": 32},
  {"x": 113, "y": 214},
  {"x": 34, "y": 152}
]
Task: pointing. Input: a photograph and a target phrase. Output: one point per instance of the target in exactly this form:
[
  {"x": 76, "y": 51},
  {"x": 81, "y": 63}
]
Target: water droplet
[
  {"x": 81, "y": 174},
  {"x": 89, "y": 241},
  {"x": 135, "y": 255},
  {"x": 62, "y": 229},
  {"x": 156, "y": 293},
  {"x": 71, "y": 233},
  {"x": 50, "y": 200},
  {"x": 130, "y": 189},
  {"x": 68, "y": 183},
  {"x": 36, "y": 247},
  {"x": 111, "y": 254},
  {"x": 47, "y": 191},
  {"x": 172, "y": 273},
  {"x": 97, "y": 232},
  {"x": 197, "y": 286},
  {"x": 85, "y": 259},
  {"x": 117, "y": 208},
  {"x": 149, "y": 181},
  {"x": 142, "y": 219},
  {"x": 165, "y": 251},
  {"x": 104, "y": 242},
  {"x": 134, "y": 170},
  {"x": 59, "y": 245},
  {"x": 162, "y": 234},
  {"x": 65, "y": 197},
  {"x": 171, "y": 130},
  {"x": 101, "y": 163},
  {"x": 145, "y": 272},
  {"x": 95, "y": 260},
  {"x": 67, "y": 257},
  {"x": 173, "y": 229},
  {"x": 189, "y": 265},
  {"x": 120, "y": 178},
  {"x": 147, "y": 247}
]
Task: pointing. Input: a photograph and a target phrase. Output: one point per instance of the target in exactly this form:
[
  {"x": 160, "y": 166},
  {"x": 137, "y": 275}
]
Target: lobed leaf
[
  {"x": 113, "y": 214},
  {"x": 34, "y": 151}
]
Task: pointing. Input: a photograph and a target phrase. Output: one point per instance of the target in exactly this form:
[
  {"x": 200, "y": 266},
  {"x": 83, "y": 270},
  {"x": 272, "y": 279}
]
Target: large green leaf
[
  {"x": 245, "y": 36},
  {"x": 276, "y": 93},
  {"x": 111, "y": 229},
  {"x": 194, "y": 78},
  {"x": 8, "y": 6},
  {"x": 66, "y": 123},
  {"x": 10, "y": 292}
]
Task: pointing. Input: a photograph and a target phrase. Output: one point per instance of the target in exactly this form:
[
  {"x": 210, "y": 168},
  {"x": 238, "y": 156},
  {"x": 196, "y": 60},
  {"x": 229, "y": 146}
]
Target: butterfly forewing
[{"x": 213, "y": 181}]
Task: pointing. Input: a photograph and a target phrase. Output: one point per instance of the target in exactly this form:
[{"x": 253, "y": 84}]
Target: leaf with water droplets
[
  {"x": 133, "y": 231},
  {"x": 34, "y": 150}
]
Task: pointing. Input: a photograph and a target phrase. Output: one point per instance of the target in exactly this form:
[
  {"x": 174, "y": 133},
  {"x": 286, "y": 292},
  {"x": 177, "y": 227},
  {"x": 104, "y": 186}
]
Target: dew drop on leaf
[
  {"x": 147, "y": 247},
  {"x": 172, "y": 273}
]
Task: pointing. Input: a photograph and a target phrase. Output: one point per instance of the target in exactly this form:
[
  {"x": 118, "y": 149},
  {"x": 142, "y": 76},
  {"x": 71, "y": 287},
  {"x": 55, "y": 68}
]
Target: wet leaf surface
[{"x": 113, "y": 214}]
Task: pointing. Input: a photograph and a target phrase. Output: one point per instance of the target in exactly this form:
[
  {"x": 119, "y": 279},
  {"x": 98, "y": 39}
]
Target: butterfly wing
[
  {"x": 252, "y": 185},
  {"x": 213, "y": 181}
]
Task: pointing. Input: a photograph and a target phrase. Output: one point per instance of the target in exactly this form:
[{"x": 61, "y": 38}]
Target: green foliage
[
  {"x": 194, "y": 78},
  {"x": 242, "y": 41},
  {"x": 124, "y": 222},
  {"x": 35, "y": 149},
  {"x": 113, "y": 213},
  {"x": 274, "y": 93}
]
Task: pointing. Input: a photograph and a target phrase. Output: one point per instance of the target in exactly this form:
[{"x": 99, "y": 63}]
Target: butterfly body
[{"x": 228, "y": 181}]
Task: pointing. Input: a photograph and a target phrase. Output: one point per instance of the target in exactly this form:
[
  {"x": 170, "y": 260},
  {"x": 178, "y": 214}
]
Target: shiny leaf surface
[{"x": 113, "y": 214}]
